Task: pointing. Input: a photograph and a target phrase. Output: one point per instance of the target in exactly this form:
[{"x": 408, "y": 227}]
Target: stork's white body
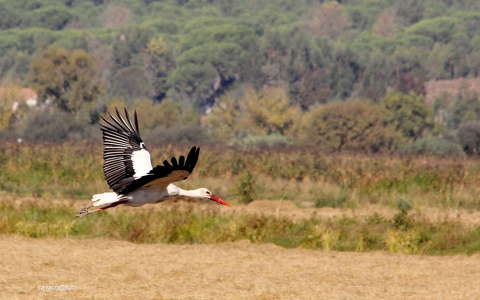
[
  {"x": 145, "y": 196},
  {"x": 136, "y": 198}
]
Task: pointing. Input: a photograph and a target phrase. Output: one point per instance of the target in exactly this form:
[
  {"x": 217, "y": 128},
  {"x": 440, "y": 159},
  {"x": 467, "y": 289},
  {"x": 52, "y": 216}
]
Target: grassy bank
[
  {"x": 307, "y": 177},
  {"x": 185, "y": 223}
]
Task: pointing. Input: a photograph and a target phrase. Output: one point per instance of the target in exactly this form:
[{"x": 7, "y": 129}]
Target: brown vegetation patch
[{"x": 437, "y": 88}]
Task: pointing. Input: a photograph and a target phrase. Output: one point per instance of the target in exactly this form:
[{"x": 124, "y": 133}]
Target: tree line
[{"x": 248, "y": 72}]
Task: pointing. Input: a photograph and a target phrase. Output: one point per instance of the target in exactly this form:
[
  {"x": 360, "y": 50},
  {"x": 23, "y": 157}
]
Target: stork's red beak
[{"x": 219, "y": 200}]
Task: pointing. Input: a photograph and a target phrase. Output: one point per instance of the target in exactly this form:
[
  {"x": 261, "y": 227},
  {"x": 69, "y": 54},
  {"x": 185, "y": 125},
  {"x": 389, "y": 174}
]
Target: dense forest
[{"x": 346, "y": 75}]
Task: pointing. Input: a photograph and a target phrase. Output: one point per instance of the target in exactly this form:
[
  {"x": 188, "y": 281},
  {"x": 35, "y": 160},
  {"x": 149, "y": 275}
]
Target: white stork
[{"x": 129, "y": 172}]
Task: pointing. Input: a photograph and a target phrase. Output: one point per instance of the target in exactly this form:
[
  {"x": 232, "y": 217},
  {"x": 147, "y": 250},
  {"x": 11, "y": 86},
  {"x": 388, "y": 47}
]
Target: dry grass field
[{"x": 109, "y": 269}]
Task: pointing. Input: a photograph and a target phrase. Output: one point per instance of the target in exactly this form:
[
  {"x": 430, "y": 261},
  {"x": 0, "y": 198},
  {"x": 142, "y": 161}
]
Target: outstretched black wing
[
  {"x": 162, "y": 175},
  {"x": 124, "y": 154}
]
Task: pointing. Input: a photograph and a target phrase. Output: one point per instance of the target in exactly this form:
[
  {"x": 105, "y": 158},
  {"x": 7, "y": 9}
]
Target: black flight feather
[{"x": 164, "y": 170}]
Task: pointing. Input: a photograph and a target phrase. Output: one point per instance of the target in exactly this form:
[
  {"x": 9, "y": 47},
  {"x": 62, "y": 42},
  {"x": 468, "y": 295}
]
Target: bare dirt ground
[{"x": 108, "y": 269}]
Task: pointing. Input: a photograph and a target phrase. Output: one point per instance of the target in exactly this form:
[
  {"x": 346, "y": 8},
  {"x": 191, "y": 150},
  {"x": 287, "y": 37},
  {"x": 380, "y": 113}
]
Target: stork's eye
[{"x": 208, "y": 193}]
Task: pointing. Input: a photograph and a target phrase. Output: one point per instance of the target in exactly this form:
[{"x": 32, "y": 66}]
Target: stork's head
[{"x": 205, "y": 193}]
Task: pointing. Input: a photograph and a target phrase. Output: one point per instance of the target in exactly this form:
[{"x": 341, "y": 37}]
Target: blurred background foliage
[{"x": 350, "y": 75}]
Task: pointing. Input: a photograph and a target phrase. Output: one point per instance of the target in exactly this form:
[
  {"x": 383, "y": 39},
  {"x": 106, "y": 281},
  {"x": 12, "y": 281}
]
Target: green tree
[
  {"x": 166, "y": 114},
  {"x": 130, "y": 83},
  {"x": 269, "y": 111},
  {"x": 225, "y": 117},
  {"x": 409, "y": 65},
  {"x": 454, "y": 110},
  {"x": 194, "y": 51},
  {"x": 328, "y": 20},
  {"x": 349, "y": 126},
  {"x": 260, "y": 113},
  {"x": 345, "y": 70},
  {"x": 115, "y": 16},
  {"x": 66, "y": 77},
  {"x": 210, "y": 54},
  {"x": 159, "y": 62},
  {"x": 438, "y": 29},
  {"x": 129, "y": 45},
  {"x": 54, "y": 18},
  {"x": 305, "y": 69},
  {"x": 376, "y": 76},
  {"x": 409, "y": 11},
  {"x": 408, "y": 114},
  {"x": 8, "y": 17},
  {"x": 386, "y": 24}
]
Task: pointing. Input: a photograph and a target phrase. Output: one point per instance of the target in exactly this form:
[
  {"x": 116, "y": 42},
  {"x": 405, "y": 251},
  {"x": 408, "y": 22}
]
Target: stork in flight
[{"x": 129, "y": 172}]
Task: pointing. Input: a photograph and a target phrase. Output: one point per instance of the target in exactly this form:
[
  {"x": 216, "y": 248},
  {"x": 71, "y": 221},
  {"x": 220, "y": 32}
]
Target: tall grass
[
  {"x": 304, "y": 176},
  {"x": 186, "y": 224},
  {"x": 74, "y": 171}
]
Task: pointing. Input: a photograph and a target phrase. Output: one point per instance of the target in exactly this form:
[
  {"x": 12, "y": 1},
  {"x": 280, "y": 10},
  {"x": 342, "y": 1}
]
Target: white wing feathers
[{"x": 141, "y": 163}]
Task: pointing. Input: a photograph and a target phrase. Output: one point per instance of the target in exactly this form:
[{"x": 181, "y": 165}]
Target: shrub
[
  {"x": 164, "y": 114},
  {"x": 455, "y": 110},
  {"x": 246, "y": 187},
  {"x": 401, "y": 220},
  {"x": 351, "y": 126},
  {"x": 432, "y": 146},
  {"x": 53, "y": 125},
  {"x": 262, "y": 141},
  {"x": 165, "y": 122},
  {"x": 190, "y": 133},
  {"x": 332, "y": 200},
  {"x": 408, "y": 114},
  {"x": 256, "y": 113},
  {"x": 408, "y": 242},
  {"x": 469, "y": 137}
]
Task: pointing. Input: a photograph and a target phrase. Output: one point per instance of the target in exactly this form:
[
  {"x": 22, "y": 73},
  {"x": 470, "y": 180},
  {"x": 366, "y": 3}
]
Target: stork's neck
[
  {"x": 189, "y": 193},
  {"x": 174, "y": 190}
]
